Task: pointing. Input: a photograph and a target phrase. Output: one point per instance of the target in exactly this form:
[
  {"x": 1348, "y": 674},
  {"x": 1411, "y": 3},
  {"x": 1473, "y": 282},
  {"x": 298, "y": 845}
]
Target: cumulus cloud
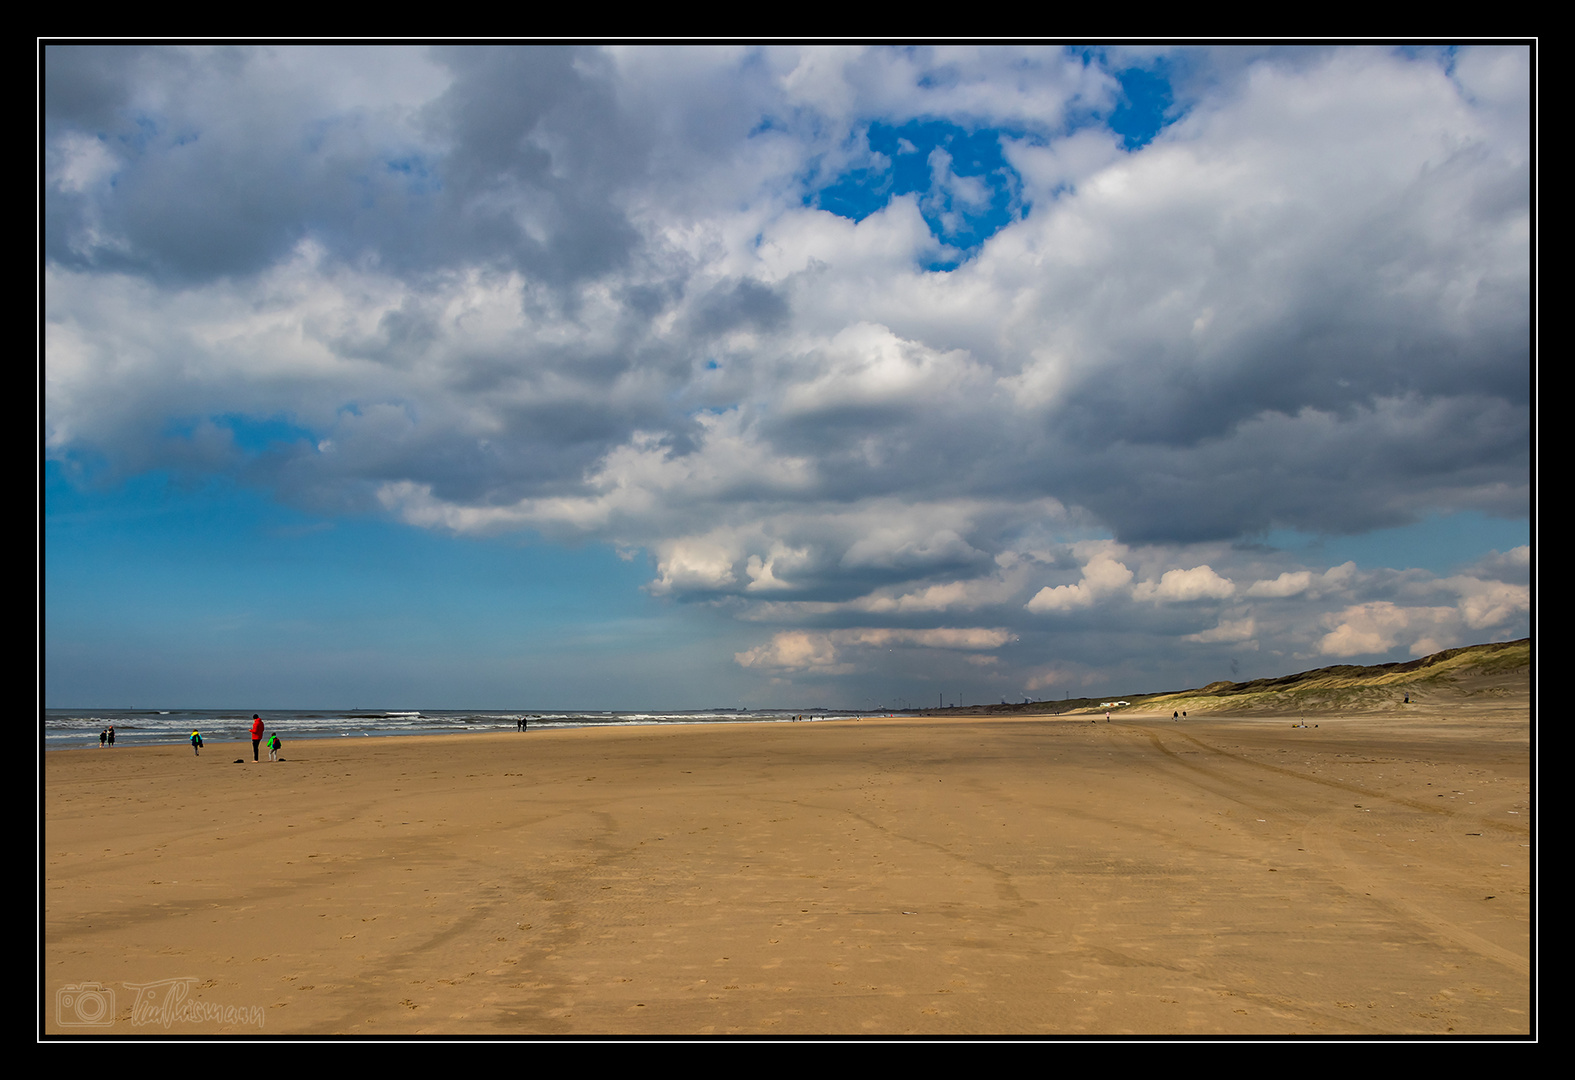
[
  {"x": 1482, "y": 610},
  {"x": 1290, "y": 583},
  {"x": 1377, "y": 627},
  {"x": 1180, "y": 586},
  {"x": 1234, "y": 631},
  {"x": 1103, "y": 574},
  {"x": 1513, "y": 565},
  {"x": 1485, "y": 604},
  {"x": 824, "y": 652}
]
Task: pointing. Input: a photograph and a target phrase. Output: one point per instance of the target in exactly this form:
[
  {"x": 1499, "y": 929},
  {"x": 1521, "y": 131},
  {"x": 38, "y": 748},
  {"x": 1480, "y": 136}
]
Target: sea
[{"x": 75, "y": 728}]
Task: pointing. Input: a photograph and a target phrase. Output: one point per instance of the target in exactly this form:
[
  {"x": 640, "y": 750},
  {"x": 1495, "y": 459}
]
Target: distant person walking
[
  {"x": 112, "y": 734},
  {"x": 273, "y": 747},
  {"x": 103, "y": 737},
  {"x": 196, "y": 744},
  {"x": 257, "y": 730}
]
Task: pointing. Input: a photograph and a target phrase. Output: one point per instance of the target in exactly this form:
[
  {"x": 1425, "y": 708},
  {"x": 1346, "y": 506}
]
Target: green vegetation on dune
[
  {"x": 1347, "y": 687},
  {"x": 1491, "y": 669}
]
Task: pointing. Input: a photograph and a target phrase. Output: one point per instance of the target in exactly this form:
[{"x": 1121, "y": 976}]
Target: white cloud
[
  {"x": 1378, "y": 626},
  {"x": 869, "y": 366},
  {"x": 795, "y": 650},
  {"x": 1485, "y": 604},
  {"x": 1103, "y": 574},
  {"x": 1184, "y": 586},
  {"x": 1233, "y": 631},
  {"x": 1290, "y": 583},
  {"x": 824, "y": 652}
]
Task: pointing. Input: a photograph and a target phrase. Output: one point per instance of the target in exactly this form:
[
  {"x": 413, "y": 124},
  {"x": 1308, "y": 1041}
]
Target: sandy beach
[{"x": 1029, "y": 876}]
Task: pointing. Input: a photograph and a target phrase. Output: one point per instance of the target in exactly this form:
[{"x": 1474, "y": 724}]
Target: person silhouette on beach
[
  {"x": 257, "y": 732},
  {"x": 196, "y": 744},
  {"x": 103, "y": 737},
  {"x": 273, "y": 747},
  {"x": 112, "y": 734}
]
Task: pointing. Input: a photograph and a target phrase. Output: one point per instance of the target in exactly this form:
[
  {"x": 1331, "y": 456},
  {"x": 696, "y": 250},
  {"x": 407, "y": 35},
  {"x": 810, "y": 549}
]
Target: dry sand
[{"x": 882, "y": 877}]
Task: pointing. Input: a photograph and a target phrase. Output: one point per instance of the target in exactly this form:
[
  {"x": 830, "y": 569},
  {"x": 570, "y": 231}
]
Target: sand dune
[
  {"x": 1465, "y": 676},
  {"x": 906, "y": 877}
]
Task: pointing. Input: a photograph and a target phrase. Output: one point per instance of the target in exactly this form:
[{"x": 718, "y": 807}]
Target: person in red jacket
[{"x": 257, "y": 730}]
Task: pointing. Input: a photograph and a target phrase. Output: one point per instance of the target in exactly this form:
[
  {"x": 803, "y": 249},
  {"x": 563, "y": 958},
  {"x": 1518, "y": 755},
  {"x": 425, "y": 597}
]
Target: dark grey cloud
[
  {"x": 219, "y": 164},
  {"x": 166, "y": 187},
  {"x": 740, "y": 304},
  {"x": 90, "y": 87}
]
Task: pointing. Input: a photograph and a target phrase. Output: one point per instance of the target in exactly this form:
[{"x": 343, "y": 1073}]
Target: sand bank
[{"x": 1028, "y": 876}]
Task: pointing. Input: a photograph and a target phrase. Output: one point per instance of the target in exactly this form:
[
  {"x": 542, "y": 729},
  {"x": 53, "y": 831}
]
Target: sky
[{"x": 801, "y": 376}]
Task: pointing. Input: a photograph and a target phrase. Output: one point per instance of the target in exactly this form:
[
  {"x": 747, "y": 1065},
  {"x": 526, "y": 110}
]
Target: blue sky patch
[
  {"x": 1441, "y": 543},
  {"x": 1145, "y": 98},
  {"x": 967, "y": 191}
]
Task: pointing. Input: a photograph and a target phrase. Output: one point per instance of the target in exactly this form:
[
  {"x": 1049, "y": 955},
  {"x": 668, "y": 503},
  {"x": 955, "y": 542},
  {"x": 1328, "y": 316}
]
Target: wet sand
[{"x": 1029, "y": 876}]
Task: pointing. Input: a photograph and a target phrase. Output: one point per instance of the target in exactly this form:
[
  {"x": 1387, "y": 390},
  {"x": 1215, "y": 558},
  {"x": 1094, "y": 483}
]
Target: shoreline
[
  {"x": 544, "y": 722},
  {"x": 549, "y": 727},
  {"x": 560, "y": 726}
]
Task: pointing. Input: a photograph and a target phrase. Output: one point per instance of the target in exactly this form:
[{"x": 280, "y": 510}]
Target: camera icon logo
[{"x": 88, "y": 1004}]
